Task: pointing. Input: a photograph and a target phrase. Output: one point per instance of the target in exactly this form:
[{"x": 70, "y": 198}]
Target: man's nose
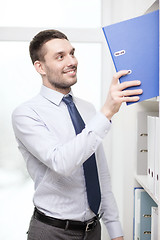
[{"x": 71, "y": 60}]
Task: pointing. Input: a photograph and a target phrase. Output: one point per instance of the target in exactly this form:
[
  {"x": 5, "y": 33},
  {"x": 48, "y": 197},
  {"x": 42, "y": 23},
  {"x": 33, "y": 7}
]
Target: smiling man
[
  {"x": 54, "y": 68},
  {"x": 60, "y": 137}
]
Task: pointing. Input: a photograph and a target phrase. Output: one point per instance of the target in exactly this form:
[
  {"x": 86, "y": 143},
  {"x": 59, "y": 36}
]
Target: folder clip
[
  {"x": 147, "y": 232},
  {"x": 143, "y": 150},
  {"x": 143, "y": 135},
  {"x": 147, "y": 215}
]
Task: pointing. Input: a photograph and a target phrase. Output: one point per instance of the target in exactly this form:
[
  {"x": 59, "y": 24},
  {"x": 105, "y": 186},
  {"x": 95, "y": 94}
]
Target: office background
[{"x": 82, "y": 21}]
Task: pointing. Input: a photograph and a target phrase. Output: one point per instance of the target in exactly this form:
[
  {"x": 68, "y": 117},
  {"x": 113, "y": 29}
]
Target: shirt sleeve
[
  {"x": 108, "y": 204},
  {"x": 34, "y": 137}
]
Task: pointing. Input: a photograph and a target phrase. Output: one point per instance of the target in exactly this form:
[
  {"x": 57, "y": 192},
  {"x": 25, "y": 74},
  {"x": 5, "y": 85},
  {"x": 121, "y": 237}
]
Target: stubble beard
[
  {"x": 60, "y": 81},
  {"x": 60, "y": 84}
]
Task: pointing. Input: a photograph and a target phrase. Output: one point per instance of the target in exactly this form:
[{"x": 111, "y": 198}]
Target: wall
[{"x": 120, "y": 144}]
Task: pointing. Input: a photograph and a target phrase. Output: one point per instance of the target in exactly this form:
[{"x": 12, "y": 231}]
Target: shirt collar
[{"x": 52, "y": 95}]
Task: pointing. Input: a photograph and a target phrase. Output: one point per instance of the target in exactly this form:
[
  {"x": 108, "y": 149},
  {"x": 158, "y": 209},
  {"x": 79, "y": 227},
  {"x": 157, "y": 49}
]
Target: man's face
[{"x": 60, "y": 65}]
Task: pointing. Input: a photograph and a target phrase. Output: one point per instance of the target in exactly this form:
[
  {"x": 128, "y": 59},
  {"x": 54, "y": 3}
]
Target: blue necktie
[{"x": 89, "y": 166}]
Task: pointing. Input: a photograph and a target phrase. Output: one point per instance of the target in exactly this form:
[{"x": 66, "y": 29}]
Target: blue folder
[{"x": 134, "y": 45}]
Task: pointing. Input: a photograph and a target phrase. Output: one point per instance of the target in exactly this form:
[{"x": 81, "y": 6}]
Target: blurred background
[{"x": 82, "y": 22}]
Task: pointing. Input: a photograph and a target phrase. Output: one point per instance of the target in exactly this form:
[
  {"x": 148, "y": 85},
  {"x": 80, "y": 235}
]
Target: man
[{"x": 56, "y": 153}]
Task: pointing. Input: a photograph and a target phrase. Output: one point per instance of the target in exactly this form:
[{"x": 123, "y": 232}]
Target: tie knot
[{"x": 68, "y": 99}]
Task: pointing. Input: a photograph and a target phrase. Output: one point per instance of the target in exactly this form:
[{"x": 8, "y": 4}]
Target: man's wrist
[{"x": 107, "y": 113}]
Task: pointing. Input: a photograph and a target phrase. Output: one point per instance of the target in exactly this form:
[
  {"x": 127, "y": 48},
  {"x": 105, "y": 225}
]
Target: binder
[
  {"x": 136, "y": 219},
  {"x": 143, "y": 205},
  {"x": 146, "y": 203},
  {"x": 157, "y": 156},
  {"x": 153, "y": 155},
  {"x": 154, "y": 224},
  {"x": 142, "y": 142},
  {"x": 134, "y": 46},
  {"x": 151, "y": 152}
]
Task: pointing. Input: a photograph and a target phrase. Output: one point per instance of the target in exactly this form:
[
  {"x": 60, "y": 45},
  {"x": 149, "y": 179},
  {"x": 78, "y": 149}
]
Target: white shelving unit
[
  {"x": 142, "y": 180},
  {"x": 126, "y": 171}
]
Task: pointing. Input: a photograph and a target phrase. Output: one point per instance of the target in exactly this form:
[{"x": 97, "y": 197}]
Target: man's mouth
[{"x": 70, "y": 70}]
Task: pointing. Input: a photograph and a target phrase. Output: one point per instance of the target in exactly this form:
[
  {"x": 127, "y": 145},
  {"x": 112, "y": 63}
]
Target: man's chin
[
  {"x": 71, "y": 83},
  {"x": 66, "y": 84}
]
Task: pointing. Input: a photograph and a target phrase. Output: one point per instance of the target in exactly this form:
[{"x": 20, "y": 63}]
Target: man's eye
[{"x": 60, "y": 57}]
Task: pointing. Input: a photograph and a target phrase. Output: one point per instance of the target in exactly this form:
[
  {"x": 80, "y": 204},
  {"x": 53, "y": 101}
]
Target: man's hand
[{"x": 117, "y": 94}]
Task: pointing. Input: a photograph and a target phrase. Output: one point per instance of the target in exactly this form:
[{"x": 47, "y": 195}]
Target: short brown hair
[{"x": 39, "y": 40}]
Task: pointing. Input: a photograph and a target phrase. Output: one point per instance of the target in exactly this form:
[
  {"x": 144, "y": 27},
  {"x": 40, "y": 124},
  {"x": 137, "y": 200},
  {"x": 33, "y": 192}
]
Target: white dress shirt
[{"x": 54, "y": 157}]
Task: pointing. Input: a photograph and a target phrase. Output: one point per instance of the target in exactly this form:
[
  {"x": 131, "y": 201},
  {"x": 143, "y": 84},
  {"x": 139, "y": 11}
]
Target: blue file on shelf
[{"x": 134, "y": 46}]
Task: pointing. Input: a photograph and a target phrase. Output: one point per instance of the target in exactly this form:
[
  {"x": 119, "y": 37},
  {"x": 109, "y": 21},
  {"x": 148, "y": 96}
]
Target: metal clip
[
  {"x": 147, "y": 232},
  {"x": 88, "y": 227},
  {"x": 67, "y": 224},
  {"x": 147, "y": 215},
  {"x": 143, "y": 135},
  {"x": 143, "y": 150}
]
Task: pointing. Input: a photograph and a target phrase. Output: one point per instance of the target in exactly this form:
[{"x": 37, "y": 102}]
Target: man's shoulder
[{"x": 26, "y": 106}]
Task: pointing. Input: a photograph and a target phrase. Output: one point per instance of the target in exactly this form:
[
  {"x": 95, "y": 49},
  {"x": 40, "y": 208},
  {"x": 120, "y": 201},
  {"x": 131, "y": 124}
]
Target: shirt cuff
[
  {"x": 99, "y": 124},
  {"x": 114, "y": 229}
]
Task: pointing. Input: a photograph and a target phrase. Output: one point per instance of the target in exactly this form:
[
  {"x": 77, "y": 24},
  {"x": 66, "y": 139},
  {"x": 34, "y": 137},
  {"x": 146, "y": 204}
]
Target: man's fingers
[
  {"x": 130, "y": 99},
  {"x": 126, "y": 93},
  {"x": 119, "y": 74},
  {"x": 127, "y": 84}
]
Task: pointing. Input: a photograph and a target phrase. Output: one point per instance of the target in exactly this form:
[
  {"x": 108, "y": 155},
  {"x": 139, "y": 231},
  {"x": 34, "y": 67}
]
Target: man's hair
[{"x": 37, "y": 43}]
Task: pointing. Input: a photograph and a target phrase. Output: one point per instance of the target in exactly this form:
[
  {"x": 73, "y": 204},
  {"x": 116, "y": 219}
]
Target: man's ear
[{"x": 39, "y": 67}]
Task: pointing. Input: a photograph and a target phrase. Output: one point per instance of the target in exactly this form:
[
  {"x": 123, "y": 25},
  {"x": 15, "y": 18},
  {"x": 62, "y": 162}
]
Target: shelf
[
  {"x": 154, "y": 6},
  {"x": 143, "y": 181},
  {"x": 155, "y": 99}
]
